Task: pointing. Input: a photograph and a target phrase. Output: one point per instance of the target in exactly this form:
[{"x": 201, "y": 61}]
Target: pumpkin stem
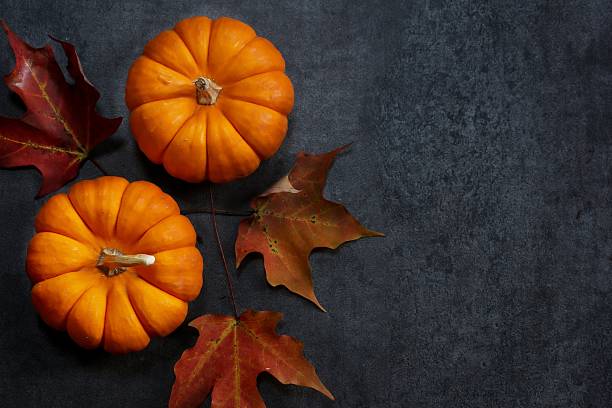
[
  {"x": 207, "y": 91},
  {"x": 113, "y": 262}
]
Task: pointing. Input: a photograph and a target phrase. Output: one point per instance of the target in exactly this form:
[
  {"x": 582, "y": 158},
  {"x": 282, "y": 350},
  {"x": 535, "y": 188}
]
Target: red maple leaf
[
  {"x": 61, "y": 124},
  {"x": 291, "y": 219},
  {"x": 229, "y": 355}
]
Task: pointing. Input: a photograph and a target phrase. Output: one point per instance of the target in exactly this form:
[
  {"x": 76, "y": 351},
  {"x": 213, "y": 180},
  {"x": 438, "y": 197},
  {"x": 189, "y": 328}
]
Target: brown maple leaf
[
  {"x": 229, "y": 355},
  {"x": 291, "y": 219},
  {"x": 61, "y": 124}
]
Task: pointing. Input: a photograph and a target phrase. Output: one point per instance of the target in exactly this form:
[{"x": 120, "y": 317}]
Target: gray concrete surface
[{"x": 483, "y": 135}]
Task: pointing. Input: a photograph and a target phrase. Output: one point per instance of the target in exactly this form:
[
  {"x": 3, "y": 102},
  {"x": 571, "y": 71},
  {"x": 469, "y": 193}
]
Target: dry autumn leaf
[
  {"x": 229, "y": 355},
  {"x": 292, "y": 219},
  {"x": 61, "y": 124}
]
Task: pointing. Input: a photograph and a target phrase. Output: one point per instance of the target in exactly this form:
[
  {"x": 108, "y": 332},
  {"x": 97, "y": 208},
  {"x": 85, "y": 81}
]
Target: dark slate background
[{"x": 482, "y": 135}]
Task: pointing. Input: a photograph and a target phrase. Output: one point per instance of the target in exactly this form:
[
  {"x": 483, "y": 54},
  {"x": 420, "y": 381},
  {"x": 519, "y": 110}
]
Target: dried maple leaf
[
  {"x": 291, "y": 219},
  {"x": 61, "y": 124},
  {"x": 229, "y": 355}
]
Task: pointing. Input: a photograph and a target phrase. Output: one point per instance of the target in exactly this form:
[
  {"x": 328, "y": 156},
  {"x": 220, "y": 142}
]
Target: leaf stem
[
  {"x": 98, "y": 166},
  {"x": 218, "y": 211},
  {"x": 228, "y": 277}
]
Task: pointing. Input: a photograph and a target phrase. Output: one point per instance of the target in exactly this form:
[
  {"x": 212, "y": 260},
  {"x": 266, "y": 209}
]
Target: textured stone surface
[{"x": 482, "y": 135}]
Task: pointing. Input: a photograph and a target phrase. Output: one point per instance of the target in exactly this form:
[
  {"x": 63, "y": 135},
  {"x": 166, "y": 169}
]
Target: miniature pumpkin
[
  {"x": 113, "y": 262},
  {"x": 209, "y": 99}
]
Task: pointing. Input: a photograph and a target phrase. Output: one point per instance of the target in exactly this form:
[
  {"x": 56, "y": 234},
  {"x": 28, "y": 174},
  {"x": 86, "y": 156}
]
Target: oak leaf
[
  {"x": 293, "y": 218},
  {"x": 229, "y": 355},
  {"x": 61, "y": 124}
]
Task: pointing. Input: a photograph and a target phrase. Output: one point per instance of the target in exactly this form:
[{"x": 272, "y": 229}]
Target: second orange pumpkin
[
  {"x": 209, "y": 99},
  {"x": 113, "y": 263}
]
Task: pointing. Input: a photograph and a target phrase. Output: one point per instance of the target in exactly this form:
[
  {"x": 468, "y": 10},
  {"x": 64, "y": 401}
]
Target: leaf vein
[
  {"x": 58, "y": 116},
  {"x": 39, "y": 146}
]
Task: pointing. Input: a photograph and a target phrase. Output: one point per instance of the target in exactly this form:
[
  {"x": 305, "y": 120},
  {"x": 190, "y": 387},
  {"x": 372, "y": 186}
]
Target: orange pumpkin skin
[
  {"x": 98, "y": 299},
  {"x": 172, "y": 117}
]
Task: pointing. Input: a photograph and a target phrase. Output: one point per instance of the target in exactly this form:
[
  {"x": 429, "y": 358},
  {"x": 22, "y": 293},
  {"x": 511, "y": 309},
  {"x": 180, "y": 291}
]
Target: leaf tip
[
  {"x": 319, "y": 386},
  {"x": 314, "y": 300},
  {"x": 328, "y": 393},
  {"x": 5, "y": 26},
  {"x": 115, "y": 123},
  {"x": 54, "y": 38},
  {"x": 240, "y": 255},
  {"x": 370, "y": 233},
  {"x": 343, "y": 148}
]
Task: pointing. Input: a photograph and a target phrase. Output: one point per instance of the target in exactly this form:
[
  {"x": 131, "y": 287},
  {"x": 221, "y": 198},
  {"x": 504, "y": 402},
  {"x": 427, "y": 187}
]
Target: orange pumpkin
[
  {"x": 113, "y": 262},
  {"x": 209, "y": 99}
]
